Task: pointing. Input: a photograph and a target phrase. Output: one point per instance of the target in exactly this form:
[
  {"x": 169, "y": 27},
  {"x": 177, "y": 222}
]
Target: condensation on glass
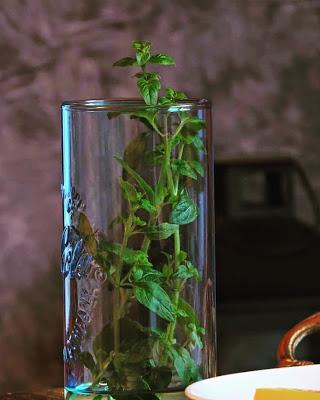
[{"x": 95, "y": 135}]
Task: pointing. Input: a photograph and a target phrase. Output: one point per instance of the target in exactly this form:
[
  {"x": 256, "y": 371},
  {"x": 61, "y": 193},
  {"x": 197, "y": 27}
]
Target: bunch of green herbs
[{"x": 132, "y": 360}]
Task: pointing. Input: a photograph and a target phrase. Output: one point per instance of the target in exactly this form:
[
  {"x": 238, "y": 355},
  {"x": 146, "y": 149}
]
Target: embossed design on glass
[{"x": 137, "y": 247}]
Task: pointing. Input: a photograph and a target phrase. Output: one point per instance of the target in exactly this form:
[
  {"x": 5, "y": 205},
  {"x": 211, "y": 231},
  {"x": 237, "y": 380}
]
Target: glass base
[{"x": 163, "y": 396}]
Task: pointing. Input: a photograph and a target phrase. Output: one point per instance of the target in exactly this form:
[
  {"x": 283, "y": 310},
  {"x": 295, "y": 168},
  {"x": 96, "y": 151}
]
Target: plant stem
[
  {"x": 180, "y": 154},
  {"x": 116, "y": 292},
  {"x": 173, "y": 190}
]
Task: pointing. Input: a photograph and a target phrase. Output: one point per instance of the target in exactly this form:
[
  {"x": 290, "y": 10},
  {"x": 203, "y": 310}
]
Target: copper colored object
[{"x": 291, "y": 340}]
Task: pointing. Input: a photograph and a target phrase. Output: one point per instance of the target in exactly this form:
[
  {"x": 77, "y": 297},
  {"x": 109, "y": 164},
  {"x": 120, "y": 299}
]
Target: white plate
[{"x": 242, "y": 386}]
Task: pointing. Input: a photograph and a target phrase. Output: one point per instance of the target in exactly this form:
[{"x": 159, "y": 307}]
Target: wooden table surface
[{"x": 52, "y": 394}]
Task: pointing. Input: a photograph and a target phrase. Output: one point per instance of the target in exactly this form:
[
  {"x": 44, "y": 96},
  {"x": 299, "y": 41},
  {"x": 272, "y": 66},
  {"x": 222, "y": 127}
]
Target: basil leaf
[
  {"x": 159, "y": 378},
  {"x": 135, "y": 149},
  {"x": 102, "y": 344},
  {"x": 142, "y": 51},
  {"x": 146, "y": 205},
  {"x": 185, "y": 211},
  {"x": 197, "y": 166},
  {"x": 186, "y": 271},
  {"x": 139, "y": 257},
  {"x": 167, "y": 271},
  {"x": 98, "y": 397},
  {"x": 198, "y": 144},
  {"x": 88, "y": 361},
  {"x": 149, "y": 85},
  {"x": 195, "y": 334},
  {"x": 129, "y": 191},
  {"x": 148, "y": 116},
  {"x": 125, "y": 62},
  {"x": 161, "y": 231},
  {"x": 174, "y": 95},
  {"x": 142, "y": 57},
  {"x": 190, "y": 315},
  {"x": 152, "y": 296},
  {"x": 142, "y": 183},
  {"x": 154, "y": 157},
  {"x": 145, "y": 275},
  {"x": 194, "y": 124},
  {"x": 163, "y": 101},
  {"x": 187, "y": 139},
  {"x": 113, "y": 114},
  {"x": 185, "y": 366},
  {"x": 141, "y": 45},
  {"x": 130, "y": 256},
  {"x": 161, "y": 58},
  {"x": 184, "y": 168},
  {"x": 138, "y": 221}
]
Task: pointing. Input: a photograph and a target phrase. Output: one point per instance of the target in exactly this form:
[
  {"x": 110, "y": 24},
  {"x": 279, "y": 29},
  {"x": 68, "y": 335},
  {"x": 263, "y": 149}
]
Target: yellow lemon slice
[{"x": 286, "y": 394}]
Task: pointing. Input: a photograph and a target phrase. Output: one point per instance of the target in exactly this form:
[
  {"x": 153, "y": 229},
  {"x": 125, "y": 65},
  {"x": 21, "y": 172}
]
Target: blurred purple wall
[{"x": 258, "y": 60}]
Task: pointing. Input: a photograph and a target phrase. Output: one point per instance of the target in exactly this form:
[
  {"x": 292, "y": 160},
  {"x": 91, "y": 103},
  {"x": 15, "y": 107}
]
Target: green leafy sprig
[{"x": 127, "y": 356}]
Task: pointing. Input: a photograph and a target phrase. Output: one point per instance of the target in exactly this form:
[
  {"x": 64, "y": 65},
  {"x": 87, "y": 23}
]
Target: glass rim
[{"x": 133, "y": 104}]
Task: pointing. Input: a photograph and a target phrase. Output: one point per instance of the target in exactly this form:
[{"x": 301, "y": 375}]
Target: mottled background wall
[{"x": 258, "y": 60}]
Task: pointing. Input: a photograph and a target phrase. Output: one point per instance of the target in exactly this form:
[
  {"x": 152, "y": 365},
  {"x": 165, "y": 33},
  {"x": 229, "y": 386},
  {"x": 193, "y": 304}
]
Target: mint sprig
[
  {"x": 127, "y": 356},
  {"x": 149, "y": 83}
]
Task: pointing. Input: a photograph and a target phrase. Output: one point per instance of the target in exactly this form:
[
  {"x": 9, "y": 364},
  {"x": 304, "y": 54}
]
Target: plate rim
[{"x": 193, "y": 396}]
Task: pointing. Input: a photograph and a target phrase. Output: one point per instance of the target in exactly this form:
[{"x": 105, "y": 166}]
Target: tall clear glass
[{"x": 137, "y": 248}]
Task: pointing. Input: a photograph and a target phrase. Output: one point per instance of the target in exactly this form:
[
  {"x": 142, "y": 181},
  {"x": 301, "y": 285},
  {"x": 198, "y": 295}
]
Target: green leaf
[
  {"x": 146, "y": 205},
  {"x": 174, "y": 95},
  {"x": 182, "y": 256},
  {"x": 190, "y": 314},
  {"x": 152, "y": 296},
  {"x": 138, "y": 221},
  {"x": 142, "y": 57},
  {"x": 159, "y": 378},
  {"x": 142, "y": 183},
  {"x": 102, "y": 344},
  {"x": 98, "y": 397},
  {"x": 139, "y": 257},
  {"x": 161, "y": 58},
  {"x": 139, "y": 350},
  {"x": 125, "y": 62},
  {"x": 187, "y": 139},
  {"x": 195, "y": 334},
  {"x": 161, "y": 231},
  {"x": 154, "y": 157},
  {"x": 160, "y": 191},
  {"x": 149, "y": 85},
  {"x": 130, "y": 256},
  {"x": 117, "y": 220},
  {"x": 163, "y": 101},
  {"x": 146, "y": 117},
  {"x": 194, "y": 124},
  {"x": 185, "y": 366},
  {"x": 88, "y": 361},
  {"x": 113, "y": 114},
  {"x": 87, "y": 233},
  {"x": 185, "y": 211},
  {"x": 198, "y": 144},
  {"x": 145, "y": 275},
  {"x": 135, "y": 150},
  {"x": 129, "y": 191},
  {"x": 197, "y": 166},
  {"x": 183, "y": 168},
  {"x": 167, "y": 271},
  {"x": 187, "y": 271},
  {"x": 141, "y": 45}
]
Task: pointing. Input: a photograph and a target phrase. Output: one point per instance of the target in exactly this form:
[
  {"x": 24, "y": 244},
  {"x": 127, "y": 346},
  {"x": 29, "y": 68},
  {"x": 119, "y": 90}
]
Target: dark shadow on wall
[{"x": 31, "y": 336}]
